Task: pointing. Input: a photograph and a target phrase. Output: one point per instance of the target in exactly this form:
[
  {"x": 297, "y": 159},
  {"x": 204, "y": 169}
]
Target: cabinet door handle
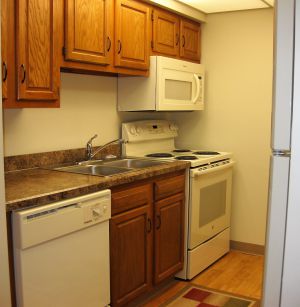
[
  {"x": 149, "y": 225},
  {"x": 183, "y": 41},
  {"x": 177, "y": 39},
  {"x": 108, "y": 43},
  {"x": 4, "y": 72},
  {"x": 119, "y": 46},
  {"x": 24, "y": 73},
  {"x": 158, "y": 218}
]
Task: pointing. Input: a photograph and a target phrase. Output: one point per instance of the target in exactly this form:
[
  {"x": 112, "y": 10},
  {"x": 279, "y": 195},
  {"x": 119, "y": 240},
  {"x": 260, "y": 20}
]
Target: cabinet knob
[
  {"x": 158, "y": 218},
  {"x": 108, "y": 43},
  {"x": 23, "y": 69},
  {"x": 119, "y": 46},
  {"x": 4, "y": 72},
  {"x": 177, "y": 39},
  {"x": 149, "y": 226},
  {"x": 183, "y": 41}
]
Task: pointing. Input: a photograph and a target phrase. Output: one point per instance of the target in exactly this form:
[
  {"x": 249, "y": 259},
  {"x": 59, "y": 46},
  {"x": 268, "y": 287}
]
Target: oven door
[{"x": 210, "y": 203}]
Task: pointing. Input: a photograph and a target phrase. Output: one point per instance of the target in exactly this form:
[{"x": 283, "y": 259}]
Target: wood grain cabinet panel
[
  {"x": 190, "y": 40},
  {"x": 132, "y": 41},
  {"x": 37, "y": 58},
  {"x": 165, "y": 33},
  {"x": 168, "y": 237},
  {"x": 131, "y": 239},
  {"x": 88, "y": 31},
  {"x": 4, "y": 46},
  {"x": 170, "y": 186}
]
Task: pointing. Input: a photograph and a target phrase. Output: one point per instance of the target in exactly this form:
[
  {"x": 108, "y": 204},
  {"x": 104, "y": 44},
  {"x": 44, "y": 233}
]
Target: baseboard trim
[{"x": 247, "y": 247}]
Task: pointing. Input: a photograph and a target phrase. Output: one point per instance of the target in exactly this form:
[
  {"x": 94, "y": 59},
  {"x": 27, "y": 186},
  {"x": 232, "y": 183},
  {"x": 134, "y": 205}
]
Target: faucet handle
[{"x": 92, "y": 138}]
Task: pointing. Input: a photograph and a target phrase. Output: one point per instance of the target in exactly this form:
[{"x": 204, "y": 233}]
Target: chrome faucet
[{"x": 89, "y": 147}]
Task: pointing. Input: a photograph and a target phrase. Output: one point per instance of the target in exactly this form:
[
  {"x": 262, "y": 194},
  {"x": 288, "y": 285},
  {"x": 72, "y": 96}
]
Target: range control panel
[{"x": 148, "y": 130}]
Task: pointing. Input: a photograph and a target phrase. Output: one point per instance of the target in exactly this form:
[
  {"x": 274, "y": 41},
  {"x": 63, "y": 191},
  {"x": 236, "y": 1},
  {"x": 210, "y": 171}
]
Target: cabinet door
[
  {"x": 37, "y": 57},
  {"x": 88, "y": 35},
  {"x": 132, "y": 35},
  {"x": 169, "y": 237},
  {"x": 131, "y": 254},
  {"x": 190, "y": 40},
  {"x": 4, "y": 40},
  {"x": 165, "y": 33}
]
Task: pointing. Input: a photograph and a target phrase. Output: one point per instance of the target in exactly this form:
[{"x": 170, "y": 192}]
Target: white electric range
[{"x": 208, "y": 189}]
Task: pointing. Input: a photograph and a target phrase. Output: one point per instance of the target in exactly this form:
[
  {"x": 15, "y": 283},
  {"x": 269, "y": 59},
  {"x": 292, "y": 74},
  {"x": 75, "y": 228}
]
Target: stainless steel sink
[
  {"x": 108, "y": 168},
  {"x": 129, "y": 163},
  {"x": 98, "y": 170}
]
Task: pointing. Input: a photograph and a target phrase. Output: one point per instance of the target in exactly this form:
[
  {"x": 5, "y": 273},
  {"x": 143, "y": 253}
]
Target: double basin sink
[{"x": 108, "y": 168}]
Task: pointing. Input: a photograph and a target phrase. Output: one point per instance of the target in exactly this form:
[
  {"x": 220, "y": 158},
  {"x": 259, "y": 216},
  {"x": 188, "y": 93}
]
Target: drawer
[
  {"x": 169, "y": 186},
  {"x": 131, "y": 197}
]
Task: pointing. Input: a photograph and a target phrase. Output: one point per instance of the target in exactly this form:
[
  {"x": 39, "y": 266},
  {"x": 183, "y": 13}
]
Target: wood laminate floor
[{"x": 236, "y": 273}]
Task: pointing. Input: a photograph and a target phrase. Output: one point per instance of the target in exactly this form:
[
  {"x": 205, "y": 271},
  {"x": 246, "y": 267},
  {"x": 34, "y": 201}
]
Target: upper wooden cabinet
[
  {"x": 132, "y": 40},
  {"x": 89, "y": 31},
  {"x": 4, "y": 51},
  {"x": 190, "y": 40},
  {"x": 165, "y": 32},
  {"x": 37, "y": 58}
]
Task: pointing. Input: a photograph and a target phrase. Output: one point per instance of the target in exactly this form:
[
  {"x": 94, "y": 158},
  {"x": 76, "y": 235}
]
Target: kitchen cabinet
[
  {"x": 37, "y": 60},
  {"x": 132, "y": 40},
  {"x": 165, "y": 33},
  {"x": 168, "y": 238},
  {"x": 131, "y": 244},
  {"x": 190, "y": 40},
  {"x": 146, "y": 238},
  {"x": 89, "y": 31},
  {"x": 175, "y": 36},
  {"x": 33, "y": 75},
  {"x": 4, "y": 45}
]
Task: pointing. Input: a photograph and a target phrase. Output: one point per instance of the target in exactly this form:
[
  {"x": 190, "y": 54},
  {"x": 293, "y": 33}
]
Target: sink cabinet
[{"x": 146, "y": 235}]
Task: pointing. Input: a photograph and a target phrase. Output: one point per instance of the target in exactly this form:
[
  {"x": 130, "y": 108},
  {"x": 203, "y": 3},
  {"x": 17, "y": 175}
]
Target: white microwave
[{"x": 172, "y": 85}]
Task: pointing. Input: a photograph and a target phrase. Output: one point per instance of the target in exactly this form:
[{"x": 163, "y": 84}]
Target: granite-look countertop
[{"x": 35, "y": 187}]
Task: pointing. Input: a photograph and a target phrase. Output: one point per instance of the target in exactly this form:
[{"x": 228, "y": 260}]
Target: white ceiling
[{"x": 216, "y": 6}]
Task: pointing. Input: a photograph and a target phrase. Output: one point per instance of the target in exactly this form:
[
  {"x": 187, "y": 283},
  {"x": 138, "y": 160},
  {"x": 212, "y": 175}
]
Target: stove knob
[
  {"x": 138, "y": 130},
  {"x": 132, "y": 130}
]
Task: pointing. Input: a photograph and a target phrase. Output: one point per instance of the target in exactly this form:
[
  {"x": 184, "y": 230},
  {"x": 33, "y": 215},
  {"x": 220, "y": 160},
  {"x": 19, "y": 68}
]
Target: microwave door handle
[{"x": 197, "y": 88}]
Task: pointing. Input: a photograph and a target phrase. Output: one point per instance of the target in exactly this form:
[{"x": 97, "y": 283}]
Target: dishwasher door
[{"x": 61, "y": 253}]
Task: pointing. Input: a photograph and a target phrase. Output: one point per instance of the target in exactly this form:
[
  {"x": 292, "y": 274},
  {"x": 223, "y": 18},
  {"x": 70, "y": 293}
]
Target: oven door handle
[{"x": 197, "y": 173}]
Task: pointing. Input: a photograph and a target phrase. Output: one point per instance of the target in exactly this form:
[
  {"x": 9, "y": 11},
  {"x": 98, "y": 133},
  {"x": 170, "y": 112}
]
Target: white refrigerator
[{"x": 282, "y": 259}]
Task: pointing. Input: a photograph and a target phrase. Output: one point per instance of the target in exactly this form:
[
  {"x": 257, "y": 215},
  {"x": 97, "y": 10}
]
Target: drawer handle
[
  {"x": 108, "y": 43},
  {"x": 158, "y": 218},
  {"x": 149, "y": 225},
  {"x": 4, "y": 72},
  {"x": 119, "y": 46},
  {"x": 183, "y": 41},
  {"x": 177, "y": 39},
  {"x": 24, "y": 73}
]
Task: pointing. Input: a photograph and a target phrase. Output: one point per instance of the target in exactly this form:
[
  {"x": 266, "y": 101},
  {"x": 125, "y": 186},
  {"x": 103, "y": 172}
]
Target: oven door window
[{"x": 210, "y": 202}]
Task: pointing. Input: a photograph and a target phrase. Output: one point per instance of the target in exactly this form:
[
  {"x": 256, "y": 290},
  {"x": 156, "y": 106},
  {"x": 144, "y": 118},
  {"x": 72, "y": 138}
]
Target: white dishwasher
[{"x": 61, "y": 253}]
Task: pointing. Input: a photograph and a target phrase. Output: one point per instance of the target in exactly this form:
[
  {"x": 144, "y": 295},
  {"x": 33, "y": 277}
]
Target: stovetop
[{"x": 195, "y": 157}]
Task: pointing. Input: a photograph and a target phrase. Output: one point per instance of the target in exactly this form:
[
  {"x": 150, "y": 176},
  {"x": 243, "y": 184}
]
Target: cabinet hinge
[
  {"x": 152, "y": 16},
  {"x": 64, "y": 51},
  {"x": 152, "y": 44}
]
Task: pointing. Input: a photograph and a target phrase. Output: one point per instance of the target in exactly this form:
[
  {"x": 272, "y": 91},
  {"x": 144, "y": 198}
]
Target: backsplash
[{"x": 13, "y": 163}]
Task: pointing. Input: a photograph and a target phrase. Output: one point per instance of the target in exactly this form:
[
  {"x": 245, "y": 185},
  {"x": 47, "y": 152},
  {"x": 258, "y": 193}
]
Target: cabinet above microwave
[{"x": 173, "y": 85}]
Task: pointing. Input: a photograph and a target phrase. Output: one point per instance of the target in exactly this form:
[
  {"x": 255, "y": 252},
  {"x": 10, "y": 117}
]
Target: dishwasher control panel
[{"x": 95, "y": 211}]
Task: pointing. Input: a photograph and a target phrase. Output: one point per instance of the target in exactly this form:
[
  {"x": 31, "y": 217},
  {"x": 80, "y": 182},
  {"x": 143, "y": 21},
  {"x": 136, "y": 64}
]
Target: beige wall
[
  {"x": 237, "y": 52},
  {"x": 88, "y": 106}
]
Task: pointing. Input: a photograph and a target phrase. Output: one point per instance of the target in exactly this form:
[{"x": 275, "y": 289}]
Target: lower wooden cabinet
[
  {"x": 147, "y": 239},
  {"x": 131, "y": 254},
  {"x": 169, "y": 237}
]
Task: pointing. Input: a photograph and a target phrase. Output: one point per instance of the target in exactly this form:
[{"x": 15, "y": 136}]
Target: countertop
[{"x": 35, "y": 187}]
